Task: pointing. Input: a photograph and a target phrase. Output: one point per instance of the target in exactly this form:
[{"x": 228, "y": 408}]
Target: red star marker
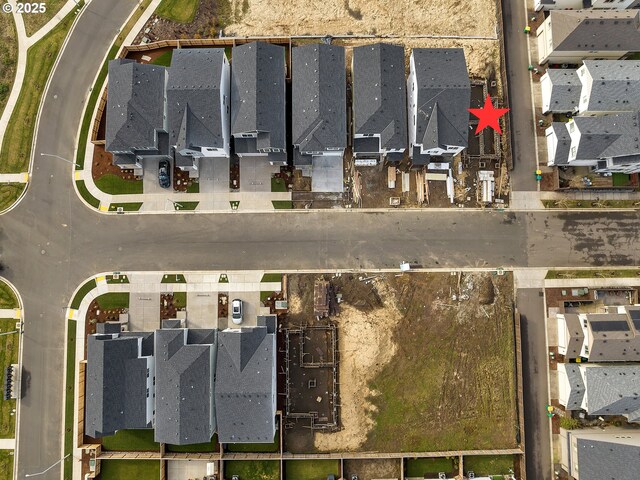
[{"x": 488, "y": 116}]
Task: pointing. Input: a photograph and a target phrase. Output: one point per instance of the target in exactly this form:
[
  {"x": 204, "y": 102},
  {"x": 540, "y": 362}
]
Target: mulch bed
[
  {"x": 97, "y": 315},
  {"x": 103, "y": 164},
  {"x": 167, "y": 308},
  {"x": 183, "y": 178}
]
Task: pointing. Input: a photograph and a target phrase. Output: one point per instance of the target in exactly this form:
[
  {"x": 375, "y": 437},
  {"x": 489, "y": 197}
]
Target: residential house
[
  {"x": 198, "y": 106},
  {"x": 185, "y": 367},
  {"x": 602, "y": 337},
  {"x": 601, "y": 389},
  {"x": 608, "y": 143},
  {"x": 439, "y": 95},
  {"x": 597, "y": 87},
  {"x": 596, "y": 454},
  {"x": 258, "y": 117},
  {"x": 319, "y": 118},
  {"x": 135, "y": 113},
  {"x": 579, "y": 4},
  {"x": 245, "y": 394},
  {"x": 570, "y": 36},
  {"x": 379, "y": 95},
  {"x": 119, "y": 383},
  {"x": 560, "y": 91}
]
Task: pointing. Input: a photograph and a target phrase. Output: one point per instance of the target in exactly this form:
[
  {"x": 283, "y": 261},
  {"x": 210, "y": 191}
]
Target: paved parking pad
[
  {"x": 150, "y": 178},
  {"x": 202, "y": 309},
  {"x": 186, "y": 469},
  {"x": 255, "y": 175},
  {"x": 144, "y": 311},
  {"x": 214, "y": 175}
]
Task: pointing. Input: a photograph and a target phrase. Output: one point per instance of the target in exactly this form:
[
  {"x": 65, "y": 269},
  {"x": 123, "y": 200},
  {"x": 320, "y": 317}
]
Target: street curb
[{"x": 18, "y": 401}]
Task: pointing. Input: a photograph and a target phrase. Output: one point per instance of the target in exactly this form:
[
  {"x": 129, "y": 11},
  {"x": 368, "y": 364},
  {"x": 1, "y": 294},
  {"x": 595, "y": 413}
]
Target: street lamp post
[
  {"x": 176, "y": 205},
  {"x": 59, "y": 157},
  {"x": 49, "y": 468}
]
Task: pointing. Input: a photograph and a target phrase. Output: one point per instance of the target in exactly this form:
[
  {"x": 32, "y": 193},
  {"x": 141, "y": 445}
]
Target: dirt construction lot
[{"x": 426, "y": 361}]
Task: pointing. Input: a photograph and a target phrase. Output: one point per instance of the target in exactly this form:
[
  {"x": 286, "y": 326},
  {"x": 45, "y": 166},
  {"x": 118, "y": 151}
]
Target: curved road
[{"x": 51, "y": 242}]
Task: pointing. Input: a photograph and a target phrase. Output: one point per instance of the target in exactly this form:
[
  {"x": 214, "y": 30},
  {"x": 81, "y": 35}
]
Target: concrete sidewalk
[{"x": 7, "y": 443}]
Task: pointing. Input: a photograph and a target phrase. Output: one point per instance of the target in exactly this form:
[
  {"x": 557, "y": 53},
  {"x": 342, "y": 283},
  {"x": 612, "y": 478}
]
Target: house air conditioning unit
[
  {"x": 120, "y": 210},
  {"x": 482, "y": 164}
]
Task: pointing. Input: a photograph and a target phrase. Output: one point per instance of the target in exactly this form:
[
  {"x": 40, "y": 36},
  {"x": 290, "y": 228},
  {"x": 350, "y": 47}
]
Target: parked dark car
[{"x": 164, "y": 177}]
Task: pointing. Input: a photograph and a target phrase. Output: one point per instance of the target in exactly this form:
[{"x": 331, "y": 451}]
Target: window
[{"x": 147, "y": 393}]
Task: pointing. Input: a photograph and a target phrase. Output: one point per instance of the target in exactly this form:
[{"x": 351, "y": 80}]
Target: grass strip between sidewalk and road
[
  {"x": 591, "y": 204},
  {"x": 16, "y": 147},
  {"x": 126, "y": 207},
  {"x": 6, "y": 464},
  {"x": 35, "y": 21},
  {"x": 9, "y": 345},
  {"x": 86, "y": 194},
  {"x": 82, "y": 292},
  {"x": 9, "y": 193},
  {"x": 69, "y": 399},
  {"x": 599, "y": 273},
  {"x": 8, "y": 298}
]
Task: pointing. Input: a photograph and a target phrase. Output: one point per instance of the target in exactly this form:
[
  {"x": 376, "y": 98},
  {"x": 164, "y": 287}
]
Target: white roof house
[{"x": 578, "y": 4}]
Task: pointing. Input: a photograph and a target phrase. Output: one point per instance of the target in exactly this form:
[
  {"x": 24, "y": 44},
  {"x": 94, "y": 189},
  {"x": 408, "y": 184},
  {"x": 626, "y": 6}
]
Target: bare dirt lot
[
  {"x": 426, "y": 361},
  {"x": 372, "y": 469},
  {"x": 396, "y": 17}
]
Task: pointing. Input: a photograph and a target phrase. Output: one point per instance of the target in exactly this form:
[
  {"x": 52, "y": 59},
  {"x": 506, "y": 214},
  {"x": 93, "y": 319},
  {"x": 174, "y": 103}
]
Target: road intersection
[{"x": 51, "y": 242}]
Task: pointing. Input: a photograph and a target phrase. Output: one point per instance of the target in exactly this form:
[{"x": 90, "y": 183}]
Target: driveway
[
  {"x": 144, "y": 311},
  {"x": 214, "y": 175},
  {"x": 150, "y": 178},
  {"x": 255, "y": 175},
  {"x": 202, "y": 309}
]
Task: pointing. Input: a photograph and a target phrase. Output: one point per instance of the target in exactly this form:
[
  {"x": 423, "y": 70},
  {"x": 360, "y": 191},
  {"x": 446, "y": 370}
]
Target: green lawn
[
  {"x": 164, "y": 59},
  {"x": 282, "y": 204},
  {"x": 127, "y": 207},
  {"x": 271, "y": 277},
  {"x": 130, "y": 469},
  {"x": 489, "y": 465},
  {"x": 194, "y": 448},
  {"x": 115, "y": 185},
  {"x": 6, "y": 464},
  {"x": 16, "y": 147},
  {"x": 86, "y": 288},
  {"x": 8, "y": 57},
  {"x": 8, "y": 299},
  {"x": 253, "y": 470},
  {"x": 173, "y": 278},
  {"x": 84, "y": 193},
  {"x": 9, "y": 193},
  {"x": 187, "y": 205},
  {"x": 599, "y": 273},
  {"x": 180, "y": 299},
  {"x": 131, "y": 441},
  {"x": 181, "y": 11},
  {"x": 9, "y": 345},
  {"x": 278, "y": 185},
  {"x": 69, "y": 398},
  {"x": 194, "y": 187},
  {"x": 620, "y": 179},
  {"x": 418, "y": 467},
  {"x": 311, "y": 469},
  {"x": 35, "y": 21},
  {"x": 112, "y": 300},
  {"x": 256, "y": 447}
]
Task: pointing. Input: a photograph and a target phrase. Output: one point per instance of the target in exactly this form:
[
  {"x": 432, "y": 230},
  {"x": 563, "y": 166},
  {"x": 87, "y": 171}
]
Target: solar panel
[
  {"x": 613, "y": 326},
  {"x": 635, "y": 314}
]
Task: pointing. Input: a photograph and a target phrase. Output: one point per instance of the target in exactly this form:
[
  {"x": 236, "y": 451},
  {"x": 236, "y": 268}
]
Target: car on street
[
  {"x": 236, "y": 311},
  {"x": 164, "y": 177}
]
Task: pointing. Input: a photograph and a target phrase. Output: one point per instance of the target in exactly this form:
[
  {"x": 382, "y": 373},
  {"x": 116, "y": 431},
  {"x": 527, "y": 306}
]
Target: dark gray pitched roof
[
  {"x": 563, "y": 146},
  {"x": 615, "y": 86},
  {"x": 587, "y": 30},
  {"x": 108, "y": 327},
  {"x": 379, "y": 95},
  {"x": 258, "y": 93},
  {"x": 319, "y": 97},
  {"x": 575, "y": 335},
  {"x": 245, "y": 385},
  {"x": 614, "y": 135},
  {"x": 613, "y": 338},
  {"x": 184, "y": 390},
  {"x": 600, "y": 460},
  {"x": 116, "y": 385},
  {"x": 613, "y": 390},
  {"x": 193, "y": 98},
  {"x": 444, "y": 95},
  {"x": 565, "y": 90},
  {"x": 576, "y": 386},
  {"x": 135, "y": 106}
]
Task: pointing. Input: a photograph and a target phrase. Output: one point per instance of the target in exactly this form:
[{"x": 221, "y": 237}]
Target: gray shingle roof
[
  {"x": 245, "y": 385},
  {"x": 613, "y": 390},
  {"x": 135, "y": 106},
  {"x": 561, "y": 156},
  {"x": 116, "y": 385},
  {"x": 600, "y": 460},
  {"x": 575, "y": 335},
  {"x": 614, "y": 135},
  {"x": 587, "y": 30},
  {"x": 615, "y": 86},
  {"x": 613, "y": 338},
  {"x": 444, "y": 95},
  {"x": 258, "y": 93},
  {"x": 193, "y": 98},
  {"x": 319, "y": 97},
  {"x": 184, "y": 390},
  {"x": 565, "y": 90},
  {"x": 379, "y": 95},
  {"x": 576, "y": 384}
]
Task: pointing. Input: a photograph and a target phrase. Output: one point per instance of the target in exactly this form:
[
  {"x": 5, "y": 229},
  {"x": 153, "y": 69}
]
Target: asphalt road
[
  {"x": 534, "y": 365},
  {"x": 51, "y": 241},
  {"x": 521, "y": 114}
]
